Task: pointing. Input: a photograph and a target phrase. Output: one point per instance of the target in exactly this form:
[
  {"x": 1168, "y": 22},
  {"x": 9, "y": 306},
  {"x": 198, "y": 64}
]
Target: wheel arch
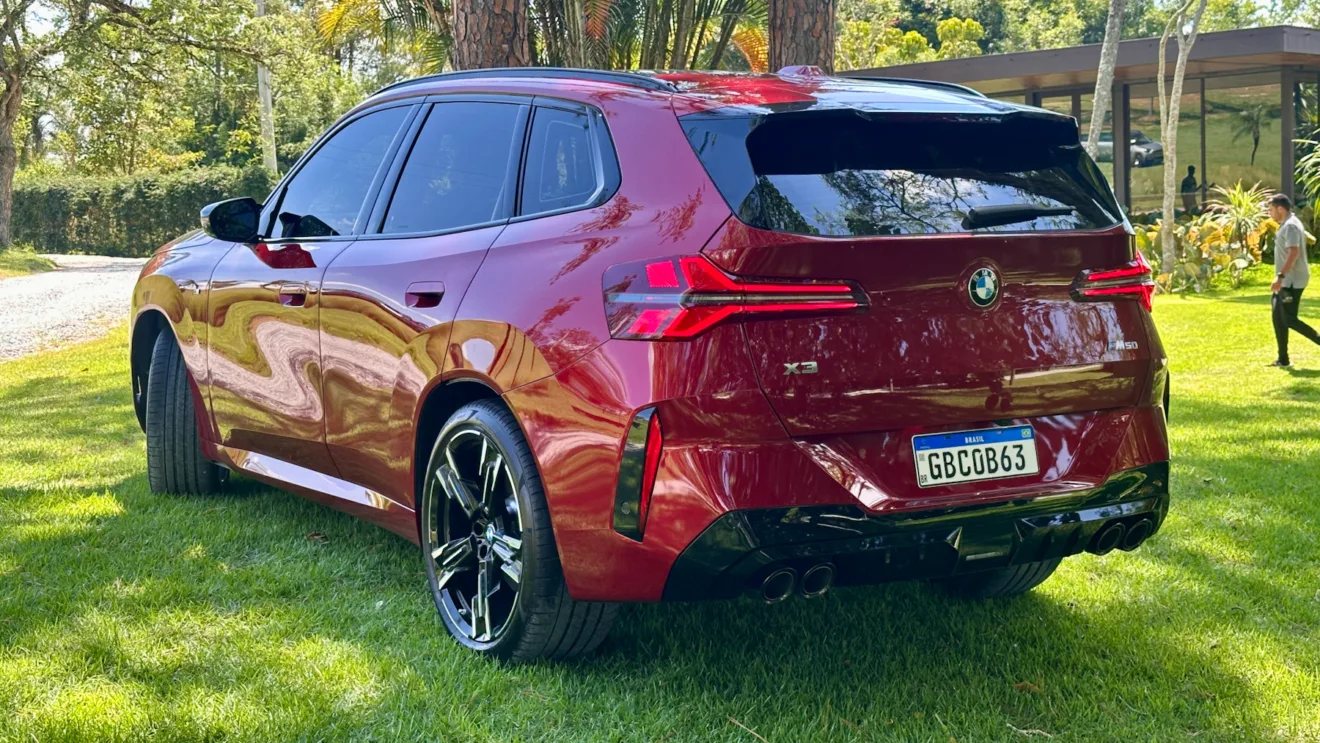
[
  {"x": 437, "y": 406},
  {"x": 146, "y": 327}
]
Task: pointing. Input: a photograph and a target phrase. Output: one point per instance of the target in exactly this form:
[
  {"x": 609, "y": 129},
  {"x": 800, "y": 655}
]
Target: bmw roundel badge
[{"x": 983, "y": 287}]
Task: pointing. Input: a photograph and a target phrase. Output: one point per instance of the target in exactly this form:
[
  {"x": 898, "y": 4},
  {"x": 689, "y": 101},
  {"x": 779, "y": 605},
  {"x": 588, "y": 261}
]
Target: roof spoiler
[{"x": 934, "y": 84}]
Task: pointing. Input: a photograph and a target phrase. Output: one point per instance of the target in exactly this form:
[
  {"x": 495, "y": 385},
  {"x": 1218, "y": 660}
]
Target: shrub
[
  {"x": 123, "y": 215},
  {"x": 1219, "y": 244}
]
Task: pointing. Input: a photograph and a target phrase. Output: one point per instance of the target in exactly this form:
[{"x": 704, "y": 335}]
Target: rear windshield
[{"x": 842, "y": 173}]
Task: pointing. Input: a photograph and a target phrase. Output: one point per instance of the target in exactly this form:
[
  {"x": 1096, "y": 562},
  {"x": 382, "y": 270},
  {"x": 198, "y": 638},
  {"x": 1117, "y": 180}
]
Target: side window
[
  {"x": 458, "y": 172},
  {"x": 563, "y": 168},
  {"x": 326, "y": 194}
]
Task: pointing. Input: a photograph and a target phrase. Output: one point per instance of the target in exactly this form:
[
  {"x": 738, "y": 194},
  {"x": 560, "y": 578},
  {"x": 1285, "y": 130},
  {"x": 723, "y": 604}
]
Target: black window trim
[
  {"x": 608, "y": 178},
  {"x": 276, "y": 198},
  {"x": 384, "y": 195}
]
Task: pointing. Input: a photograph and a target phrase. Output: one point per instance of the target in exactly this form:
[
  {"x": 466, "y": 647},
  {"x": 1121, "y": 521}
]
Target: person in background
[
  {"x": 1188, "y": 191},
  {"x": 1292, "y": 275}
]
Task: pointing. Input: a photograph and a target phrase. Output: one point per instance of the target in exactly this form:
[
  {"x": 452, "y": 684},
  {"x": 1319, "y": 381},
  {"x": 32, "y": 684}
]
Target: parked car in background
[
  {"x": 1145, "y": 151},
  {"x": 596, "y": 337}
]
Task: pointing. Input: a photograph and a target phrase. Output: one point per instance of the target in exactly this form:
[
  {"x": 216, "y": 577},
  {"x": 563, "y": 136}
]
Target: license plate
[{"x": 966, "y": 456}]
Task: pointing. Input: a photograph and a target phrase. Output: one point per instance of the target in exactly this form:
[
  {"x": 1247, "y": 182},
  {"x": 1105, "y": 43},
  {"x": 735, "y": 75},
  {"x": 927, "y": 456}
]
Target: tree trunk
[
  {"x": 575, "y": 33},
  {"x": 11, "y": 104},
  {"x": 802, "y": 33},
  {"x": 490, "y": 33},
  {"x": 656, "y": 55},
  {"x": 1104, "y": 81},
  {"x": 266, "y": 110},
  {"x": 1170, "y": 108},
  {"x": 682, "y": 29}
]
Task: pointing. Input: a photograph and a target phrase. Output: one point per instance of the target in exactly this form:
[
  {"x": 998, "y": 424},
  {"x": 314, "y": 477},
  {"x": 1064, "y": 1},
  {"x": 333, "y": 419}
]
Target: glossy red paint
[{"x": 315, "y": 360}]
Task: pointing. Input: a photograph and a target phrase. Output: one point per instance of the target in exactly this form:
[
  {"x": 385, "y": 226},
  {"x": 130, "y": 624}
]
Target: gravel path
[{"x": 81, "y": 300}]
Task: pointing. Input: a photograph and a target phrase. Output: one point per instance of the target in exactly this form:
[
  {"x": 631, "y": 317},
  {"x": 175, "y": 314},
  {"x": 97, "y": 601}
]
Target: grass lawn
[
  {"x": 258, "y": 616},
  {"x": 20, "y": 262}
]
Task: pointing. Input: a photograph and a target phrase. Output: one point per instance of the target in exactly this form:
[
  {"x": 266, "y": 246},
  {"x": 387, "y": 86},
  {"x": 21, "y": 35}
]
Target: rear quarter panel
[{"x": 532, "y": 326}]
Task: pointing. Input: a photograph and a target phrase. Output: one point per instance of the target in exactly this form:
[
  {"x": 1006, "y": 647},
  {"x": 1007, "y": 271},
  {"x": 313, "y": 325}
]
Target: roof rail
[
  {"x": 554, "y": 73},
  {"x": 938, "y": 84}
]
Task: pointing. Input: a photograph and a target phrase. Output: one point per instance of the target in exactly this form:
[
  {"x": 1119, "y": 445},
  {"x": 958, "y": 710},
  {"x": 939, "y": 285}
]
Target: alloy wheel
[{"x": 475, "y": 529}]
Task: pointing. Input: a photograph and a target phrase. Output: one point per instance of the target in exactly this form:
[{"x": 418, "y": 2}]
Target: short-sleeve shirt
[{"x": 1292, "y": 233}]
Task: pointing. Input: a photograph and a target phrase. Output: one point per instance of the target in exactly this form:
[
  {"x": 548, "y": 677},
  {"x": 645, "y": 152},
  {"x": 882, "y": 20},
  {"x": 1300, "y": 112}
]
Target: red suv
[{"x": 597, "y": 337}]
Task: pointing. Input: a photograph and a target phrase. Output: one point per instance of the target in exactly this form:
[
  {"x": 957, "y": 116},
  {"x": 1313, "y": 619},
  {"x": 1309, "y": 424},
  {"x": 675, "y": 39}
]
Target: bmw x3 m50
[{"x": 590, "y": 338}]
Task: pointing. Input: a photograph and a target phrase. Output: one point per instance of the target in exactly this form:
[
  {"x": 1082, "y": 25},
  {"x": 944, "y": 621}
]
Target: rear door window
[
  {"x": 459, "y": 172},
  {"x": 840, "y": 173}
]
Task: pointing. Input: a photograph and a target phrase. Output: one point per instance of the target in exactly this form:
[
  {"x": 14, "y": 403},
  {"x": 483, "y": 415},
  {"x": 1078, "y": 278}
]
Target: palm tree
[
  {"x": 422, "y": 25},
  {"x": 1249, "y": 123},
  {"x": 669, "y": 34}
]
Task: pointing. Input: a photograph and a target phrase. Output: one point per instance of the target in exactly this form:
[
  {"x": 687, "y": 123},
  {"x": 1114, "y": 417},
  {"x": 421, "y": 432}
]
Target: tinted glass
[
  {"x": 562, "y": 169},
  {"x": 458, "y": 171},
  {"x": 844, "y": 174},
  {"x": 326, "y": 194}
]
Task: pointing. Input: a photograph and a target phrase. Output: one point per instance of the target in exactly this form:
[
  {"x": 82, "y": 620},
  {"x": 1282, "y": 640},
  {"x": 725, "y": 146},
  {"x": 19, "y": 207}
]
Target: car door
[
  {"x": 388, "y": 301},
  {"x": 264, "y": 348}
]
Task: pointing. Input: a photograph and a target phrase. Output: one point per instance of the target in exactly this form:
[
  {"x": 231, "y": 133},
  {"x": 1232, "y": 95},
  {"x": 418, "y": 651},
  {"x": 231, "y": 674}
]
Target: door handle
[
  {"x": 425, "y": 294},
  {"x": 293, "y": 294}
]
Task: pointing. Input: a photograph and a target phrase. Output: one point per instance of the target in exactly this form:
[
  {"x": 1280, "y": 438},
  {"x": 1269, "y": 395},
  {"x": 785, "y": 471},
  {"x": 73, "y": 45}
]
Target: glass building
[{"x": 1248, "y": 94}]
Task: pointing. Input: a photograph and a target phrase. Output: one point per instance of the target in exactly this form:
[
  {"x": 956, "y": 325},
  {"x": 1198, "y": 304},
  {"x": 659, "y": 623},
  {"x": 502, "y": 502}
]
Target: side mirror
[{"x": 233, "y": 220}]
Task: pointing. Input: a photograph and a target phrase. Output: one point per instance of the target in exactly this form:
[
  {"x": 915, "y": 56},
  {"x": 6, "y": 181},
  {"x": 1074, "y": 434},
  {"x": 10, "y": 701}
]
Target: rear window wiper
[{"x": 1002, "y": 214}]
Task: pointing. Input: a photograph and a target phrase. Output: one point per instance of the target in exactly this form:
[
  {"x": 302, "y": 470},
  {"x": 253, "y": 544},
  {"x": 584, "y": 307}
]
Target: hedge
[{"x": 123, "y": 215}]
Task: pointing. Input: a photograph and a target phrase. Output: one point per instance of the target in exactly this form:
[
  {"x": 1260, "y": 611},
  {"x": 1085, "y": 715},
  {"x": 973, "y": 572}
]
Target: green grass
[
  {"x": 22, "y": 261},
  {"x": 129, "y": 616}
]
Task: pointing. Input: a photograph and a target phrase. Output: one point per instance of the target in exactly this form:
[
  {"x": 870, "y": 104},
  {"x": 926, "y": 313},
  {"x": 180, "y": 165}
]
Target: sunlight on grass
[
  {"x": 20, "y": 261},
  {"x": 127, "y": 616}
]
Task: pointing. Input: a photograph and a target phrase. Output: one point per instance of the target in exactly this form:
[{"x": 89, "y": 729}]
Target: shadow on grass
[{"x": 174, "y": 600}]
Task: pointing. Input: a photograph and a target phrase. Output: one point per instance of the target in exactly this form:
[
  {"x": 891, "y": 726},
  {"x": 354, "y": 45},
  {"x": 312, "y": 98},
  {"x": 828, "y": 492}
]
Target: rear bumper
[{"x": 740, "y": 547}]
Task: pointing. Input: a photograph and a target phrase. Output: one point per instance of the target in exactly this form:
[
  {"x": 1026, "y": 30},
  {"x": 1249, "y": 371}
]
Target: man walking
[{"x": 1292, "y": 275}]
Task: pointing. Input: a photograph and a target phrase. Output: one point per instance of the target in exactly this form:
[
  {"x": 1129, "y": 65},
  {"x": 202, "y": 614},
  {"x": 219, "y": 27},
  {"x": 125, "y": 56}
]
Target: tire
[
  {"x": 993, "y": 584},
  {"x": 174, "y": 449},
  {"x": 484, "y": 514}
]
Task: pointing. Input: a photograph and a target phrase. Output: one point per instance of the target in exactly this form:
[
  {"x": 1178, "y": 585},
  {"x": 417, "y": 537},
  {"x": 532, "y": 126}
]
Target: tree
[
  {"x": 864, "y": 44},
  {"x": 1250, "y": 120},
  {"x": 959, "y": 37},
  {"x": 1183, "y": 25},
  {"x": 490, "y": 33},
  {"x": 1104, "y": 80},
  {"x": 801, "y": 33},
  {"x": 29, "y": 38}
]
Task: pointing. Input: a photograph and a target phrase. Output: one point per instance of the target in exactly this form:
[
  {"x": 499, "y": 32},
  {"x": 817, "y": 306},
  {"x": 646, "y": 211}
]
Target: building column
[
  {"x": 1122, "y": 130},
  {"x": 1077, "y": 107},
  {"x": 1205, "y": 189},
  {"x": 1287, "y": 127}
]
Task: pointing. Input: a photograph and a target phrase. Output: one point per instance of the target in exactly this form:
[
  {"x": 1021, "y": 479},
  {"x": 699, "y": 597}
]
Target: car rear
[{"x": 944, "y": 308}]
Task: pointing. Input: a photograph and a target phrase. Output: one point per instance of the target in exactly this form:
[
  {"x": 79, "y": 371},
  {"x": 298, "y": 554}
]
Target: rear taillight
[
  {"x": 680, "y": 297},
  {"x": 1132, "y": 280}
]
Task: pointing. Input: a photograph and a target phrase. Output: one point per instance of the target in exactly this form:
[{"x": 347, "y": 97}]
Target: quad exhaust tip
[
  {"x": 817, "y": 580},
  {"x": 778, "y": 585},
  {"x": 1136, "y": 534},
  {"x": 1109, "y": 539}
]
